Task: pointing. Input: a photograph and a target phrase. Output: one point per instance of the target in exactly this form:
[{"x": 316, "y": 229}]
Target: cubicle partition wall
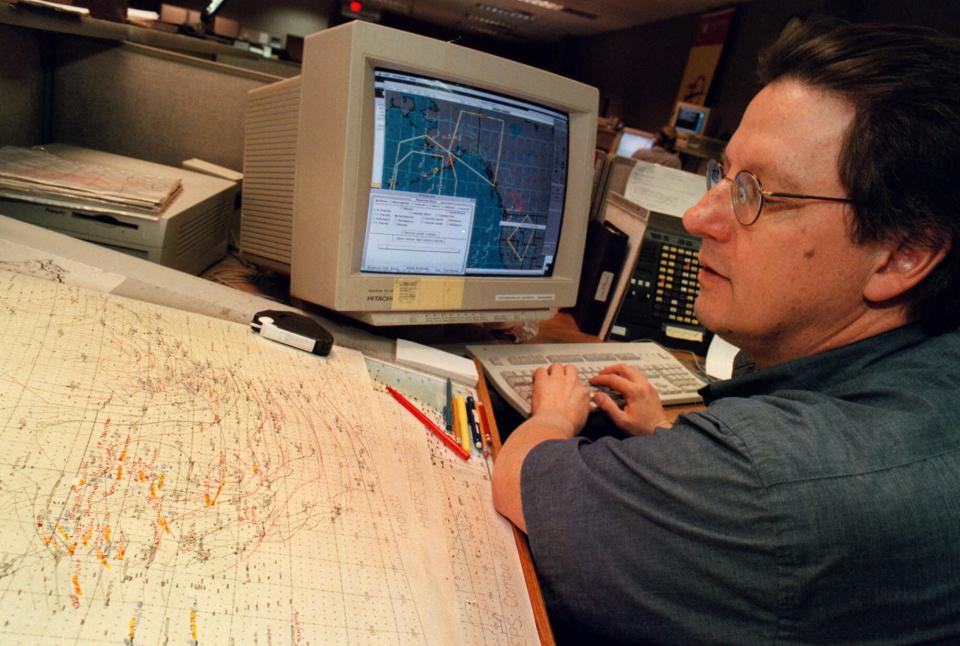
[
  {"x": 122, "y": 97},
  {"x": 147, "y": 103},
  {"x": 21, "y": 87}
]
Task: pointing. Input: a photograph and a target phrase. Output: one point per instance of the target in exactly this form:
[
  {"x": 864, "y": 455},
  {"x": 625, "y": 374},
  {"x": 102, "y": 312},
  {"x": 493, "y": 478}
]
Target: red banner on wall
[{"x": 704, "y": 54}]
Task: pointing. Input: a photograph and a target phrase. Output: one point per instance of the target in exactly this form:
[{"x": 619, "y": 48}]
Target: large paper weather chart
[{"x": 171, "y": 478}]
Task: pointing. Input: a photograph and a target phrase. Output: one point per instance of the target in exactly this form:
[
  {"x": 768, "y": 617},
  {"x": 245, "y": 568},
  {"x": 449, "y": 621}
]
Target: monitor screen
[
  {"x": 633, "y": 140},
  {"x": 465, "y": 181},
  {"x": 690, "y": 118}
]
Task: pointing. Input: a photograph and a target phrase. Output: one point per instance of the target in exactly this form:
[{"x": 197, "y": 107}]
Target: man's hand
[
  {"x": 642, "y": 413},
  {"x": 559, "y": 393}
]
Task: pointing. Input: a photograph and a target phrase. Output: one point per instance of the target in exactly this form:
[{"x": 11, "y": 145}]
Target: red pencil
[
  {"x": 456, "y": 448},
  {"x": 485, "y": 430}
]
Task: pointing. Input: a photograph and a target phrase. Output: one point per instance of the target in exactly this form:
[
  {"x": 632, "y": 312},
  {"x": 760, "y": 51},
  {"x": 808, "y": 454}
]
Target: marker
[
  {"x": 429, "y": 424},
  {"x": 460, "y": 408},
  {"x": 472, "y": 420},
  {"x": 448, "y": 409}
]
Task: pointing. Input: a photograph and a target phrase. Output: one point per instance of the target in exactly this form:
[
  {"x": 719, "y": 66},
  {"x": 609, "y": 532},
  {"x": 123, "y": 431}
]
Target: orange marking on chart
[
  {"x": 143, "y": 476},
  {"x": 72, "y": 549},
  {"x": 60, "y": 530},
  {"x": 160, "y": 482},
  {"x": 101, "y": 557},
  {"x": 87, "y": 535},
  {"x": 163, "y": 523},
  {"x": 121, "y": 550},
  {"x": 76, "y": 586},
  {"x": 133, "y": 627},
  {"x": 153, "y": 489},
  {"x": 106, "y": 533},
  {"x": 210, "y": 501},
  {"x": 119, "y": 472}
]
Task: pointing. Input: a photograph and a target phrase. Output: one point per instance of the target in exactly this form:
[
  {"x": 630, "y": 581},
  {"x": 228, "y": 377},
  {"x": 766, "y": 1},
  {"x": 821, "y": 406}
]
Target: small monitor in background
[
  {"x": 632, "y": 140},
  {"x": 690, "y": 119}
]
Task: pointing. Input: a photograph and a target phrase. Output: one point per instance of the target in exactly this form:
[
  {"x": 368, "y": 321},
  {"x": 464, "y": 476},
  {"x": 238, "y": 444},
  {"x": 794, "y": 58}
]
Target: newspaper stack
[{"x": 37, "y": 175}]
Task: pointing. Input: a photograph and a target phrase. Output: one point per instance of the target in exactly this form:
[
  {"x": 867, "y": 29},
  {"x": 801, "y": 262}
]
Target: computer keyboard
[{"x": 509, "y": 368}]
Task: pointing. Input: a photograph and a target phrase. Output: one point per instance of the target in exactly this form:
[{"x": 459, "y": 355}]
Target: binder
[
  {"x": 632, "y": 219},
  {"x": 603, "y": 260}
]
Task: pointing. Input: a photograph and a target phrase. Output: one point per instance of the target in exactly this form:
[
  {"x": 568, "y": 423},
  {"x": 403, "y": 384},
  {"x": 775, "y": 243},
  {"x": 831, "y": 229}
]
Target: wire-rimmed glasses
[{"x": 748, "y": 195}]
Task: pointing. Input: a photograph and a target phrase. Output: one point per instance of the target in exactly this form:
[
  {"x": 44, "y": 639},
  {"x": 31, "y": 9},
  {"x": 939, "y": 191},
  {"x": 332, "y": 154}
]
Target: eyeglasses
[{"x": 748, "y": 195}]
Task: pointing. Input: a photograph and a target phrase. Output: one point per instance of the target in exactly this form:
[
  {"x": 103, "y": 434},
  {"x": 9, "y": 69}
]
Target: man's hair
[
  {"x": 899, "y": 158},
  {"x": 667, "y": 138}
]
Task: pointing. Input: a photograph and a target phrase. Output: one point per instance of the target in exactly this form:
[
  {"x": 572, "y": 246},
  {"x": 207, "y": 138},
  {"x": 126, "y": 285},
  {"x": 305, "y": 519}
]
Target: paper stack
[{"x": 37, "y": 175}]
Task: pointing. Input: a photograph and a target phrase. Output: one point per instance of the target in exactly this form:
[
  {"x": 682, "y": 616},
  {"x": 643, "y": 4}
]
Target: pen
[
  {"x": 429, "y": 424},
  {"x": 448, "y": 409},
  {"x": 460, "y": 408},
  {"x": 472, "y": 420}
]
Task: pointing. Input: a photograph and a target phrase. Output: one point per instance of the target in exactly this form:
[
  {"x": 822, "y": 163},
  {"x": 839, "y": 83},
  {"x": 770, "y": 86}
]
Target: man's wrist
[{"x": 556, "y": 422}]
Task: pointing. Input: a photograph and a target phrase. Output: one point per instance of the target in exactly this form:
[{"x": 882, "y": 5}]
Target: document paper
[
  {"x": 664, "y": 190},
  {"x": 172, "y": 478}
]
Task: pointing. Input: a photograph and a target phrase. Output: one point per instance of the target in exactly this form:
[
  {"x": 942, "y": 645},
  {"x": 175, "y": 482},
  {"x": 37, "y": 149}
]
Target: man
[
  {"x": 815, "y": 499},
  {"x": 663, "y": 151}
]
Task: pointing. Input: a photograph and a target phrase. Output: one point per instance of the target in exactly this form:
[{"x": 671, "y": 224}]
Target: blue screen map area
[{"x": 508, "y": 156}]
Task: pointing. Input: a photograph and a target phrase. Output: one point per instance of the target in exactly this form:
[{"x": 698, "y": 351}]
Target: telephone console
[{"x": 658, "y": 304}]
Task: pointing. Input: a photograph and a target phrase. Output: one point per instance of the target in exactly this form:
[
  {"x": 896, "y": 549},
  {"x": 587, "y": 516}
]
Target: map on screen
[{"x": 480, "y": 180}]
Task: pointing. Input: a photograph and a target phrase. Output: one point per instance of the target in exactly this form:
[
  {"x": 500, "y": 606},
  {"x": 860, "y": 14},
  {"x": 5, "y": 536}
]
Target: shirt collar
[{"x": 819, "y": 371}]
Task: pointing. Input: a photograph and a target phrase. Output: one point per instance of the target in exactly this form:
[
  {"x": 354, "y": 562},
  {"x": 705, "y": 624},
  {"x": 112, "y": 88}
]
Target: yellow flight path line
[
  {"x": 446, "y": 150},
  {"x": 456, "y": 128}
]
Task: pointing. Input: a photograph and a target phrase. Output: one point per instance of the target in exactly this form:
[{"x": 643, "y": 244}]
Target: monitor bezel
[{"x": 695, "y": 107}]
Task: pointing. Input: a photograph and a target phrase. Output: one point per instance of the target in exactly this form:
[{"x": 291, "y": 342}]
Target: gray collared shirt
[{"x": 813, "y": 502}]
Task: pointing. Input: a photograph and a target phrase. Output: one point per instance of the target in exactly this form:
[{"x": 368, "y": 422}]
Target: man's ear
[{"x": 900, "y": 268}]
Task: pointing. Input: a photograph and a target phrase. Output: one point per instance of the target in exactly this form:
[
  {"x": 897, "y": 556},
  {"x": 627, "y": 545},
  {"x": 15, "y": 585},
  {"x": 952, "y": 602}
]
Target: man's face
[{"x": 791, "y": 284}]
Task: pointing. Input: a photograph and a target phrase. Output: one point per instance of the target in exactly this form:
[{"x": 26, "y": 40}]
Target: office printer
[{"x": 190, "y": 235}]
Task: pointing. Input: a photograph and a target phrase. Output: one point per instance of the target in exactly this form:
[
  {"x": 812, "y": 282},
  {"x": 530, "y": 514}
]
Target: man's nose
[{"x": 712, "y": 215}]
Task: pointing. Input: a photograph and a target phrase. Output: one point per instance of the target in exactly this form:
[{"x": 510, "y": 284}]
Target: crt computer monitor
[
  {"x": 690, "y": 118},
  {"x": 436, "y": 183},
  {"x": 631, "y": 140}
]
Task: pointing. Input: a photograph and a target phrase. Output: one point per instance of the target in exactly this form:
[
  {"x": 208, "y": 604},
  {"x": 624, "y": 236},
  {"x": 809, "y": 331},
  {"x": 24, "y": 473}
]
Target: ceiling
[{"x": 543, "y": 20}]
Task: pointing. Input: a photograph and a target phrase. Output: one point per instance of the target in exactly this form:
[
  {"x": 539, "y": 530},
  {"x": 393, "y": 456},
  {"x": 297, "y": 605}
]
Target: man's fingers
[
  {"x": 614, "y": 381},
  {"x": 605, "y": 403},
  {"x": 623, "y": 370},
  {"x": 559, "y": 369}
]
